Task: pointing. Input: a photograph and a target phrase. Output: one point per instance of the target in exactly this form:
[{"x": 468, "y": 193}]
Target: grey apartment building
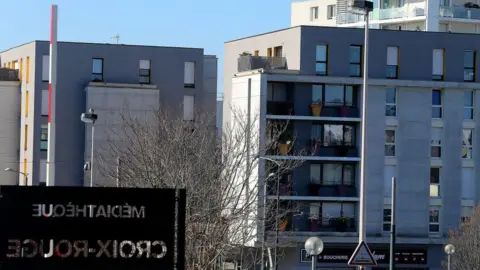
[
  {"x": 103, "y": 77},
  {"x": 422, "y": 109}
]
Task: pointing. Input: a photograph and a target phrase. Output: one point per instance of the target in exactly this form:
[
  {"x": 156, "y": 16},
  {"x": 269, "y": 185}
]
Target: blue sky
[{"x": 191, "y": 23}]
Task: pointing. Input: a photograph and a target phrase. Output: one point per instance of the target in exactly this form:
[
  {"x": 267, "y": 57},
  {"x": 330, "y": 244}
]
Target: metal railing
[
  {"x": 460, "y": 13},
  {"x": 249, "y": 62},
  {"x": 8, "y": 74}
]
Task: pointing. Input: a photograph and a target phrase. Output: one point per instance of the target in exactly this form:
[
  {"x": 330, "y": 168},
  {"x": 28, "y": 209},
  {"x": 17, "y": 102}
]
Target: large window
[
  {"x": 468, "y": 183},
  {"x": 434, "y": 221},
  {"x": 389, "y": 143},
  {"x": 467, "y": 147},
  {"x": 45, "y": 67},
  {"x": 436, "y": 104},
  {"x": 355, "y": 61},
  {"x": 144, "y": 72},
  {"x": 188, "y": 108},
  {"x": 392, "y": 62},
  {"x": 321, "y": 66},
  {"x": 331, "y": 95},
  {"x": 438, "y": 64},
  {"x": 97, "y": 70},
  {"x": 436, "y": 143},
  {"x": 313, "y": 13},
  {"x": 189, "y": 74},
  {"x": 331, "y": 11},
  {"x": 338, "y": 135},
  {"x": 44, "y": 137},
  {"x": 468, "y": 105},
  {"x": 387, "y": 218},
  {"x": 332, "y": 173},
  {"x": 391, "y": 102},
  {"x": 434, "y": 182},
  {"x": 469, "y": 66}
]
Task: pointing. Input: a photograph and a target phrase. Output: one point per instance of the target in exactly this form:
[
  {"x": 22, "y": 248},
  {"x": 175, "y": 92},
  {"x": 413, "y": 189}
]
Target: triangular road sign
[{"x": 362, "y": 256}]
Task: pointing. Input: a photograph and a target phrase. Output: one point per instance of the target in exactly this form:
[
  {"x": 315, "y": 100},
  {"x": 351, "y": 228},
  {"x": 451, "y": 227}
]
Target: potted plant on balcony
[
  {"x": 282, "y": 226},
  {"x": 245, "y": 53},
  {"x": 344, "y": 110},
  {"x": 313, "y": 223},
  {"x": 285, "y": 142},
  {"x": 316, "y": 107}
]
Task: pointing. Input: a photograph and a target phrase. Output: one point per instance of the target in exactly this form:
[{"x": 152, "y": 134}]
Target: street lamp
[
  {"x": 276, "y": 215},
  {"x": 314, "y": 246},
  {"x": 19, "y": 172},
  {"x": 87, "y": 118},
  {"x": 449, "y": 249}
]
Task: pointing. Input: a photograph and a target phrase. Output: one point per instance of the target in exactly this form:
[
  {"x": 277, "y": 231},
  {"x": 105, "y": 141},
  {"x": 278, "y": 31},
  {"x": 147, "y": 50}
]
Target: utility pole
[{"x": 392, "y": 226}]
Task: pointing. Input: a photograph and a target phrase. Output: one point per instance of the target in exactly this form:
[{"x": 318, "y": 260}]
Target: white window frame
[
  {"x": 390, "y": 143},
  {"x": 389, "y": 222},
  {"x": 437, "y": 223},
  {"x": 438, "y": 106},
  {"x": 45, "y": 67},
  {"x": 313, "y": 13},
  {"x": 438, "y": 186},
  {"x": 468, "y": 147},
  {"x": 391, "y": 104},
  {"x": 331, "y": 10},
  {"x": 436, "y": 143},
  {"x": 469, "y": 107}
]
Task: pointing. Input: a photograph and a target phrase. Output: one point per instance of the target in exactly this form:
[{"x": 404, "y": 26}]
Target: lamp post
[
  {"x": 314, "y": 246},
  {"x": 449, "y": 250},
  {"x": 276, "y": 215},
  {"x": 87, "y": 118},
  {"x": 19, "y": 172}
]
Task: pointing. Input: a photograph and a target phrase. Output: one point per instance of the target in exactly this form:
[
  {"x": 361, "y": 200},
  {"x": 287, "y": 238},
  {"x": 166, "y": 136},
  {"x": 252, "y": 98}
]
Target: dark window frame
[
  {"x": 359, "y": 64},
  {"x": 147, "y": 76},
  {"x": 386, "y": 224},
  {"x": 353, "y": 180},
  {"x": 41, "y": 140},
  {"x": 321, "y": 62},
  {"x": 94, "y": 74},
  {"x": 322, "y": 132},
  {"x": 470, "y": 68},
  {"x": 355, "y": 91}
]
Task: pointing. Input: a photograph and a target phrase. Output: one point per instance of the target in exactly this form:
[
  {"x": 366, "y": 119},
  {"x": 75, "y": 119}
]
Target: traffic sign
[{"x": 362, "y": 256}]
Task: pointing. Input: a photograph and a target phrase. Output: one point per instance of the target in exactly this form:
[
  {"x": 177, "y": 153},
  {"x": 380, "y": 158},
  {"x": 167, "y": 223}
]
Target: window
[
  {"x": 26, "y": 104},
  {"x": 335, "y": 95},
  {"x": 437, "y": 64},
  {"x": 20, "y": 71},
  {"x": 313, "y": 13},
  {"x": 97, "y": 70},
  {"x": 188, "y": 108},
  {"x": 317, "y": 132},
  {"x": 321, "y": 66},
  {"x": 434, "y": 221},
  {"x": 332, "y": 174},
  {"x": 44, "y": 137},
  {"x": 468, "y": 105},
  {"x": 27, "y": 73},
  {"x": 437, "y": 104},
  {"x": 315, "y": 173},
  {"x": 387, "y": 219},
  {"x": 189, "y": 74},
  {"x": 331, "y": 11},
  {"x": 25, "y": 138},
  {"x": 388, "y": 174},
  {"x": 43, "y": 171},
  {"x": 269, "y": 52},
  {"x": 392, "y": 62},
  {"x": 25, "y": 170},
  {"x": 434, "y": 182},
  {"x": 314, "y": 210},
  {"x": 468, "y": 184},
  {"x": 45, "y": 67},
  {"x": 467, "y": 212},
  {"x": 436, "y": 143},
  {"x": 469, "y": 58},
  {"x": 277, "y": 51},
  {"x": 391, "y": 102},
  {"x": 317, "y": 93},
  {"x": 338, "y": 135},
  {"x": 16, "y": 66},
  {"x": 144, "y": 72},
  {"x": 44, "y": 108},
  {"x": 256, "y": 53},
  {"x": 355, "y": 61},
  {"x": 467, "y": 148},
  {"x": 389, "y": 143}
]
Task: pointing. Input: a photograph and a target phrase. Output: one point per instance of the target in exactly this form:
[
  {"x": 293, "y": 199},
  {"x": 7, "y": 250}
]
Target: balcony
[
  {"x": 280, "y": 108},
  {"x": 330, "y": 190},
  {"x": 408, "y": 11},
  {"x": 320, "y": 149},
  {"x": 249, "y": 62},
  {"x": 460, "y": 13},
  {"x": 8, "y": 74},
  {"x": 303, "y": 224}
]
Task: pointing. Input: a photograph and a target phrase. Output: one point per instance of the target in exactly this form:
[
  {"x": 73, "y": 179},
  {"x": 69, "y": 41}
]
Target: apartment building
[
  {"x": 105, "y": 77},
  {"x": 422, "y": 109},
  {"x": 462, "y": 16}
]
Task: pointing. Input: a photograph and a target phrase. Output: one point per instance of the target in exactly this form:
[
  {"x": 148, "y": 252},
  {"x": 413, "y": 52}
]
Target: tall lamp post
[
  {"x": 276, "y": 215},
  {"x": 87, "y": 118},
  {"x": 314, "y": 246},
  {"x": 19, "y": 172},
  {"x": 449, "y": 250}
]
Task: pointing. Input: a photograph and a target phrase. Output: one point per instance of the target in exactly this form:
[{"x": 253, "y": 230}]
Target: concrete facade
[
  {"x": 414, "y": 125},
  {"x": 120, "y": 65}
]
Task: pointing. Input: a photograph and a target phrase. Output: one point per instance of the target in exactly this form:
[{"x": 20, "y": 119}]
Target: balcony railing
[
  {"x": 317, "y": 148},
  {"x": 322, "y": 224},
  {"x": 330, "y": 190},
  {"x": 280, "y": 107},
  {"x": 8, "y": 74},
  {"x": 408, "y": 11},
  {"x": 249, "y": 62},
  {"x": 460, "y": 13}
]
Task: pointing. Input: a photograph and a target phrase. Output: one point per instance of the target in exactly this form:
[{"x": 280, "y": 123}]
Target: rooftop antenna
[{"x": 117, "y": 37}]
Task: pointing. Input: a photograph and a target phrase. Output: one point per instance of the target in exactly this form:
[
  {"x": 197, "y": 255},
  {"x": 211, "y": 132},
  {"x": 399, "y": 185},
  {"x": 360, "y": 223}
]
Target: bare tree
[
  {"x": 221, "y": 176},
  {"x": 466, "y": 240}
]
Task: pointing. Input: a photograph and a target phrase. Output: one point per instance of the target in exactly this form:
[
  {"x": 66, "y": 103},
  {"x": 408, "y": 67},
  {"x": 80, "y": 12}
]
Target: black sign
[
  {"x": 382, "y": 256},
  {"x": 91, "y": 228}
]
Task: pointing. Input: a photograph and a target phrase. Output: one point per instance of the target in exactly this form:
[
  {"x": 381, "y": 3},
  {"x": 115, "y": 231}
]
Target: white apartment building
[{"x": 458, "y": 16}]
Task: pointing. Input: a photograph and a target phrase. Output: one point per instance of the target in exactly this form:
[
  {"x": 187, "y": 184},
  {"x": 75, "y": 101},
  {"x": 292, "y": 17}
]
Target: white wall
[
  {"x": 108, "y": 101},
  {"x": 300, "y": 13}
]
